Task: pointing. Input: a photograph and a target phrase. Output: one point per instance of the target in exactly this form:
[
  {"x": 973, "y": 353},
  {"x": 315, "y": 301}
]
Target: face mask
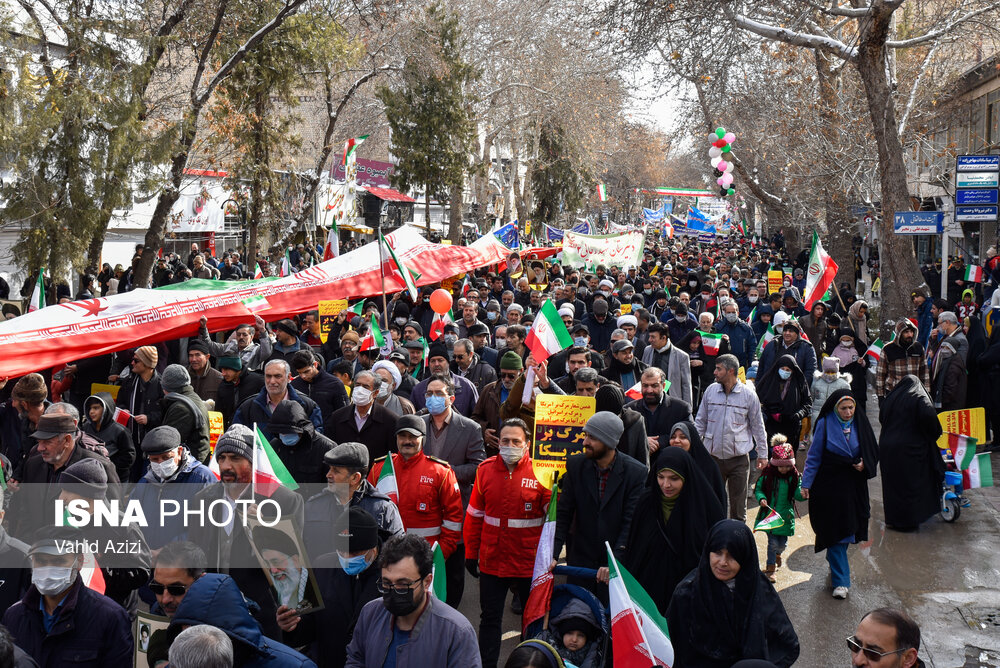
[
  {"x": 752, "y": 299},
  {"x": 580, "y": 341},
  {"x": 501, "y": 344},
  {"x": 693, "y": 283},
  {"x": 164, "y": 470},
  {"x": 648, "y": 291},
  {"x": 491, "y": 315},
  {"x": 680, "y": 318},
  {"x": 400, "y": 605},
  {"x": 436, "y": 405},
  {"x": 606, "y": 293},
  {"x": 732, "y": 317},
  {"x": 511, "y": 454},
  {"x": 785, "y": 374},
  {"x": 450, "y": 339},
  {"x": 847, "y": 344},
  {"x": 383, "y": 391},
  {"x": 51, "y": 580},
  {"x": 400, "y": 321},
  {"x": 354, "y": 565},
  {"x": 361, "y": 396},
  {"x": 427, "y": 300},
  {"x": 289, "y": 439},
  {"x": 829, "y": 377}
]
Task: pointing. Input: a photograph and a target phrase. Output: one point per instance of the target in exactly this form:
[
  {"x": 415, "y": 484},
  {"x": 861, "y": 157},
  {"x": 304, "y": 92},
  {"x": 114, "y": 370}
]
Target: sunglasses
[
  {"x": 509, "y": 375},
  {"x": 870, "y": 654},
  {"x": 174, "y": 590}
]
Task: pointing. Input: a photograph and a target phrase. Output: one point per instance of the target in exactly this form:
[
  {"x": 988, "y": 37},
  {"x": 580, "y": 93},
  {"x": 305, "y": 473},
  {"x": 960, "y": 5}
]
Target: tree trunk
[
  {"x": 427, "y": 209},
  {"x": 455, "y": 214},
  {"x": 94, "y": 251},
  {"x": 900, "y": 272}
]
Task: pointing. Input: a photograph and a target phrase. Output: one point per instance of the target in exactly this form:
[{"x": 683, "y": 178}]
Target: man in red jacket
[{"x": 502, "y": 525}]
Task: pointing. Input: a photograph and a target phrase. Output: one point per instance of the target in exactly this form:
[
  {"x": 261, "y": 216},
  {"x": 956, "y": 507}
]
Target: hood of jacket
[
  {"x": 290, "y": 416},
  {"x": 576, "y": 609},
  {"x": 846, "y": 376},
  {"x": 109, "y": 408},
  {"x": 215, "y": 599}
]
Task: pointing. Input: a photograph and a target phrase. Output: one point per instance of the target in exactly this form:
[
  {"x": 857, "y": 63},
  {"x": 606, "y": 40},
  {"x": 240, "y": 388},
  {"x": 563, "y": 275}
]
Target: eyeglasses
[
  {"x": 870, "y": 654},
  {"x": 173, "y": 590},
  {"x": 384, "y": 586},
  {"x": 509, "y": 375}
]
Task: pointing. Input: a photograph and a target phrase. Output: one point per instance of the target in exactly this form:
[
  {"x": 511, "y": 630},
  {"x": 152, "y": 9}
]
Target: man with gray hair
[
  {"x": 949, "y": 379},
  {"x": 467, "y": 364},
  {"x": 201, "y": 646},
  {"x": 730, "y": 422},
  {"x": 586, "y": 381},
  {"x": 365, "y": 421},
  {"x": 277, "y": 388}
]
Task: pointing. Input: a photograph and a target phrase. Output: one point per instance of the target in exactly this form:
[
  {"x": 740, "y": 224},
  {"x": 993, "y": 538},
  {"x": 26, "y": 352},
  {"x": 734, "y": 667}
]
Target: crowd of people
[{"x": 690, "y": 430}]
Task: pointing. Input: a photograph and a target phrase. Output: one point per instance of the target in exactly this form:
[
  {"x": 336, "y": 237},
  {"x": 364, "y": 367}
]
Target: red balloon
[
  {"x": 441, "y": 301},
  {"x": 720, "y": 143}
]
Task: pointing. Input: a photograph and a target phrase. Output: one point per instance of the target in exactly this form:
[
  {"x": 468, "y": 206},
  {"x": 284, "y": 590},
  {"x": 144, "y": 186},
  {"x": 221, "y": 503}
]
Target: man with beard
[
  {"x": 901, "y": 357},
  {"x": 288, "y": 574},
  {"x": 658, "y": 409},
  {"x": 204, "y": 379},
  {"x": 175, "y": 569},
  {"x": 487, "y": 410},
  {"x": 599, "y": 493}
]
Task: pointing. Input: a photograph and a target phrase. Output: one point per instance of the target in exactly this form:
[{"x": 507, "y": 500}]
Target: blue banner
[
  {"x": 694, "y": 213},
  {"x": 699, "y": 225},
  {"x": 651, "y": 215},
  {"x": 553, "y": 235},
  {"x": 583, "y": 227},
  {"x": 508, "y": 236}
]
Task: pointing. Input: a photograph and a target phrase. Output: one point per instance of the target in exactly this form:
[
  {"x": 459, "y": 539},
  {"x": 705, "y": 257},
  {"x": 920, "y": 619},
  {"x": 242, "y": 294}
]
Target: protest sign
[
  {"x": 215, "y": 428},
  {"x": 774, "y": 279},
  {"x": 281, "y": 553},
  {"x": 144, "y": 626},
  {"x": 104, "y": 387},
  {"x": 611, "y": 250},
  {"x": 559, "y": 421},
  {"x": 328, "y": 310},
  {"x": 967, "y": 422}
]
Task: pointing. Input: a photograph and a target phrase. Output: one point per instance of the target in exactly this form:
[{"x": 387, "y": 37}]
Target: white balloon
[
  {"x": 715, "y": 162},
  {"x": 729, "y": 167},
  {"x": 715, "y": 152}
]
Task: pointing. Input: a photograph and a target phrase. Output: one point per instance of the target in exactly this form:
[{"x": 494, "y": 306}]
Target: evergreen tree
[{"x": 557, "y": 180}]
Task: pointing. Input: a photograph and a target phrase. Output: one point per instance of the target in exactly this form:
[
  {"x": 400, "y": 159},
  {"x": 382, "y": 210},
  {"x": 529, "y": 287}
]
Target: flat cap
[
  {"x": 161, "y": 439},
  {"x": 349, "y": 455},
  {"x": 411, "y": 424}
]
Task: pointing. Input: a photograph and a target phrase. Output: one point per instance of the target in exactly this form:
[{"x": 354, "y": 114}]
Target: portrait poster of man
[
  {"x": 144, "y": 627},
  {"x": 281, "y": 553}
]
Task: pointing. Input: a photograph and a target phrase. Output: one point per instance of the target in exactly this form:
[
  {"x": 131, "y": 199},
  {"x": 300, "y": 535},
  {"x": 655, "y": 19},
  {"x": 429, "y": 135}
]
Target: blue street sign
[
  {"x": 976, "y": 196},
  {"x": 977, "y": 163},
  {"x": 966, "y": 214},
  {"x": 977, "y": 179},
  {"x": 918, "y": 222}
]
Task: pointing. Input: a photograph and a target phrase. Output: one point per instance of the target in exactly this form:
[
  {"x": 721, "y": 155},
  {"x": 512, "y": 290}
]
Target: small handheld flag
[
  {"x": 38, "y": 294},
  {"x": 257, "y": 272},
  {"x": 772, "y": 521},
  {"x": 548, "y": 333},
  {"x": 973, "y": 273},
  {"x": 269, "y": 472},
  {"x": 963, "y": 450},
  {"x": 711, "y": 342},
  {"x": 634, "y": 392},
  {"x": 439, "y": 583},
  {"x": 386, "y": 482},
  {"x": 602, "y": 192},
  {"x": 979, "y": 473},
  {"x": 122, "y": 416}
]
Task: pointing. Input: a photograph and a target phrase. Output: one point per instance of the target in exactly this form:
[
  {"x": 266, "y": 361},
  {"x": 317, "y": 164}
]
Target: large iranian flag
[
  {"x": 540, "y": 597},
  {"x": 548, "y": 333},
  {"x": 38, "y": 294},
  {"x": 639, "y": 633},
  {"x": 819, "y": 274},
  {"x": 269, "y": 472},
  {"x": 404, "y": 272}
]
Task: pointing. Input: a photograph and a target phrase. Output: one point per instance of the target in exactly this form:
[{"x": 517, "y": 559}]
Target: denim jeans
[
  {"x": 840, "y": 569},
  {"x": 775, "y": 546}
]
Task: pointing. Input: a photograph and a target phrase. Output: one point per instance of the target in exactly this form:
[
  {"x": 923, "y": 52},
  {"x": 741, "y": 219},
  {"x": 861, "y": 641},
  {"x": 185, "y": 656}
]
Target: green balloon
[
  {"x": 731, "y": 191},
  {"x": 720, "y": 132},
  {"x": 726, "y": 148}
]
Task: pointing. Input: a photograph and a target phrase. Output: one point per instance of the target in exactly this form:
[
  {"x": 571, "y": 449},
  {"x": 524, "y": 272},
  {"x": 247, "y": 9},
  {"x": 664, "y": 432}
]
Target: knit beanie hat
[
  {"x": 782, "y": 455},
  {"x": 511, "y": 361},
  {"x": 605, "y": 427},
  {"x": 147, "y": 355},
  {"x": 174, "y": 378},
  {"x": 238, "y": 440},
  {"x": 86, "y": 478}
]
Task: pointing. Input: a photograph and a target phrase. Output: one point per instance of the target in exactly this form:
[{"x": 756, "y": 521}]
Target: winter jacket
[
  {"x": 15, "y": 570},
  {"x": 618, "y": 372},
  {"x": 216, "y": 600},
  {"x": 676, "y": 364},
  {"x": 304, "y": 460},
  {"x": 479, "y": 373},
  {"x": 505, "y": 517},
  {"x": 600, "y": 332},
  {"x": 821, "y": 389},
  {"x": 898, "y": 362},
  {"x": 206, "y": 386},
  {"x": 323, "y": 511},
  {"x": 925, "y": 322},
  {"x": 801, "y": 350},
  {"x": 779, "y": 502},
  {"x": 949, "y": 378},
  {"x": 258, "y": 410},
  {"x": 151, "y": 492},
  {"x": 325, "y": 389},
  {"x": 378, "y": 433},
  {"x": 117, "y": 439},
  {"x": 633, "y": 441},
  {"x": 572, "y": 614},
  {"x": 232, "y": 395},
  {"x": 466, "y": 394},
  {"x": 187, "y": 413},
  {"x": 141, "y": 398},
  {"x": 442, "y": 638},
  {"x": 742, "y": 342},
  {"x": 91, "y": 630}
]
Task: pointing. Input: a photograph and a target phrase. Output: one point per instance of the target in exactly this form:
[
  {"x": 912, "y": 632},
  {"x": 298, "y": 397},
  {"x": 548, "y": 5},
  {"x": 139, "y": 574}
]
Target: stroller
[{"x": 567, "y": 600}]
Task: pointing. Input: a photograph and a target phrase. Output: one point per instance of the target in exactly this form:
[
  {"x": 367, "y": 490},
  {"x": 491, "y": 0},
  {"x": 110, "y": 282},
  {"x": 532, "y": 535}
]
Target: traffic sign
[
  {"x": 977, "y": 163},
  {"x": 977, "y": 179},
  {"x": 966, "y": 214},
  {"x": 918, "y": 222},
  {"x": 976, "y": 197}
]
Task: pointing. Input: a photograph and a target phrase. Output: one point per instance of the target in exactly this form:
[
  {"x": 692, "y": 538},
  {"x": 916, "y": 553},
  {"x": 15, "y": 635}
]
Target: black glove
[{"x": 472, "y": 565}]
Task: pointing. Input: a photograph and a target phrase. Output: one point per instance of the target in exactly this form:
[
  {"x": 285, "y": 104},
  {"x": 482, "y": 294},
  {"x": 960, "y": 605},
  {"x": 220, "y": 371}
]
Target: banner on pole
[{"x": 559, "y": 421}]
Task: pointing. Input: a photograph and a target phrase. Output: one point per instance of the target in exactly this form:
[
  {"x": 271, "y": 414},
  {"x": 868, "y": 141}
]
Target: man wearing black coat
[
  {"x": 599, "y": 493},
  {"x": 238, "y": 384},
  {"x": 660, "y": 410},
  {"x": 298, "y": 444},
  {"x": 316, "y": 383},
  {"x": 377, "y": 430}
]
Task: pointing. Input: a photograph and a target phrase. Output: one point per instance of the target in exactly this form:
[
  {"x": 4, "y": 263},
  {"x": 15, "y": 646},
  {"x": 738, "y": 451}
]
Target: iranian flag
[
  {"x": 819, "y": 274},
  {"x": 269, "y": 472},
  {"x": 639, "y": 635},
  {"x": 979, "y": 473},
  {"x": 753, "y": 314},
  {"x": 122, "y": 416},
  {"x": 358, "y": 309},
  {"x": 439, "y": 583},
  {"x": 286, "y": 265},
  {"x": 373, "y": 339},
  {"x": 634, "y": 392},
  {"x": 974, "y": 273},
  {"x": 602, "y": 192},
  {"x": 548, "y": 333},
  {"x": 386, "y": 482},
  {"x": 256, "y": 303},
  {"x": 3, "y": 479},
  {"x": 772, "y": 521},
  {"x": 351, "y": 145},
  {"x": 711, "y": 343},
  {"x": 963, "y": 449},
  {"x": 257, "y": 273},
  {"x": 438, "y": 323},
  {"x": 38, "y": 294},
  {"x": 91, "y": 573},
  {"x": 404, "y": 272},
  {"x": 875, "y": 350},
  {"x": 537, "y": 605},
  {"x": 765, "y": 339},
  {"x": 332, "y": 247}
]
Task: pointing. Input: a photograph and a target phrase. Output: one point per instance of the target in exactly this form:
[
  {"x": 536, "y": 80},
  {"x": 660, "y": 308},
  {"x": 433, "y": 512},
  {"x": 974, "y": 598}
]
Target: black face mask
[{"x": 400, "y": 605}]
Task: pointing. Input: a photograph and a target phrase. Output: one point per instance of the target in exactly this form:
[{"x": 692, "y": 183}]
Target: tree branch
[
  {"x": 826, "y": 44},
  {"x": 924, "y": 67},
  {"x": 206, "y": 51},
  {"x": 43, "y": 42},
  {"x": 935, "y": 34}
]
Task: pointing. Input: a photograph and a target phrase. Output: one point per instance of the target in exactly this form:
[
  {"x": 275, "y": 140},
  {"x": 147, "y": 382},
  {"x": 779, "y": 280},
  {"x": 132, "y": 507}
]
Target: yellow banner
[
  {"x": 559, "y": 421},
  {"x": 774, "y": 279},
  {"x": 104, "y": 387},
  {"x": 328, "y": 311},
  {"x": 215, "y": 428},
  {"x": 967, "y": 422},
  {"x": 626, "y": 309}
]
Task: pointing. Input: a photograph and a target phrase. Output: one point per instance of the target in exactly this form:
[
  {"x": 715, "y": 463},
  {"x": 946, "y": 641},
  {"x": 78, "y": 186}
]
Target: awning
[
  {"x": 360, "y": 229},
  {"x": 388, "y": 194}
]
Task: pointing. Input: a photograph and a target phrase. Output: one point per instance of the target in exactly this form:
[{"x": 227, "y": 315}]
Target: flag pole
[
  {"x": 381, "y": 271},
  {"x": 836, "y": 291}
]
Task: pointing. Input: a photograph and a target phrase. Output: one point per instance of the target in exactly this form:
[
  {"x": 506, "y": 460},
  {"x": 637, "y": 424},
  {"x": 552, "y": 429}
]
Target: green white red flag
[
  {"x": 257, "y": 273},
  {"x": 373, "y": 339},
  {"x": 256, "y": 303},
  {"x": 439, "y": 583},
  {"x": 711, "y": 342},
  {"x": 634, "y": 392},
  {"x": 548, "y": 333},
  {"x": 979, "y": 473},
  {"x": 386, "y": 482},
  {"x": 540, "y": 597},
  {"x": 332, "y": 247},
  {"x": 404, "y": 272},
  {"x": 269, "y": 472},
  {"x": 875, "y": 350},
  {"x": 974, "y": 273},
  {"x": 286, "y": 264},
  {"x": 602, "y": 192},
  {"x": 772, "y": 521},
  {"x": 819, "y": 274},
  {"x": 639, "y": 635},
  {"x": 438, "y": 324},
  {"x": 765, "y": 339},
  {"x": 963, "y": 449},
  {"x": 38, "y": 294},
  {"x": 351, "y": 145}
]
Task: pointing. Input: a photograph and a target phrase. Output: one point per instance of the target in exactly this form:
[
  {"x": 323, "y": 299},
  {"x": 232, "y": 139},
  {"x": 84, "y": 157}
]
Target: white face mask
[
  {"x": 52, "y": 580},
  {"x": 732, "y": 317},
  {"x": 361, "y": 396},
  {"x": 383, "y": 391},
  {"x": 511, "y": 454},
  {"x": 164, "y": 470}
]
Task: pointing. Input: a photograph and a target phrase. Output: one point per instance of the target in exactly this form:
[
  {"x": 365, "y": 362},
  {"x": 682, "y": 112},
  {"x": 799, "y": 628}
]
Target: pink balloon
[
  {"x": 727, "y": 179},
  {"x": 719, "y": 181},
  {"x": 729, "y": 138},
  {"x": 722, "y": 165}
]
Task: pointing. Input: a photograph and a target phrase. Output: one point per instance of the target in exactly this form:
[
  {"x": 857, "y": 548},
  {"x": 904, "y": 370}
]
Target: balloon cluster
[{"x": 722, "y": 145}]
